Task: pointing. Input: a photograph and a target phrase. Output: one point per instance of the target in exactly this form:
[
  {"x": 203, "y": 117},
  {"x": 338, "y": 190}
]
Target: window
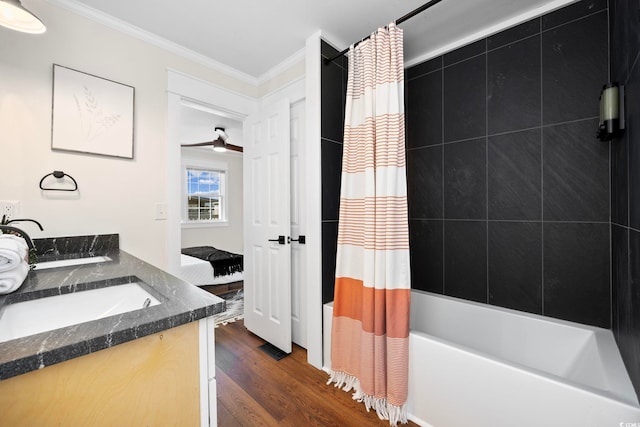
[{"x": 205, "y": 195}]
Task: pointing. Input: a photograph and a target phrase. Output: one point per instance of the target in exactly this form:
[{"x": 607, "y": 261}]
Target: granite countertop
[{"x": 181, "y": 303}]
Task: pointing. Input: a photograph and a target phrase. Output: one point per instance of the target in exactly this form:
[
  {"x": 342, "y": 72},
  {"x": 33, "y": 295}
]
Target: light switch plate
[{"x": 161, "y": 211}]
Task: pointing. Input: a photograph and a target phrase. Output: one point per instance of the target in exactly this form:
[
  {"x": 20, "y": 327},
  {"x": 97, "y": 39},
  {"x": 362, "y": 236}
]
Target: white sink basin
[
  {"x": 68, "y": 262},
  {"x": 46, "y": 314}
]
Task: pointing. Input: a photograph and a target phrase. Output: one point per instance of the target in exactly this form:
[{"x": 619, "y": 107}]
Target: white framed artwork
[{"x": 91, "y": 114}]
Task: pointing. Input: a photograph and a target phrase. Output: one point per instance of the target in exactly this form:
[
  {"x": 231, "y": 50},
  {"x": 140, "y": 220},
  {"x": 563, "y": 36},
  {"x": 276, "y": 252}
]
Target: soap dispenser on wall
[{"x": 611, "y": 112}]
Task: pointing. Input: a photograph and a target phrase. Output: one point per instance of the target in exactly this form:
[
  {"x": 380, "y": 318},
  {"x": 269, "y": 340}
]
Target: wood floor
[
  {"x": 255, "y": 390},
  {"x": 223, "y": 289}
]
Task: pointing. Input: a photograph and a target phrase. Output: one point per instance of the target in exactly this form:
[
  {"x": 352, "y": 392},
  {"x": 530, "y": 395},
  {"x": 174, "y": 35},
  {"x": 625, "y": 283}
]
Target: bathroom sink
[
  {"x": 70, "y": 262},
  {"x": 26, "y": 318}
]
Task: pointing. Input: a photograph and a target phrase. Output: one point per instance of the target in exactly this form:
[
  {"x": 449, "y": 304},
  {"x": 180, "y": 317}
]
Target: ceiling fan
[{"x": 219, "y": 142}]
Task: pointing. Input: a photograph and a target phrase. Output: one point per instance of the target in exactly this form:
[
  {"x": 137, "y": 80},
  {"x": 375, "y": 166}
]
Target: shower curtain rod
[{"x": 397, "y": 21}]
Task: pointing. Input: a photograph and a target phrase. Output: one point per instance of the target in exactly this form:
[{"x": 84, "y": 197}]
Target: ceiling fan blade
[
  {"x": 237, "y": 148},
  {"x": 231, "y": 147},
  {"x": 197, "y": 144}
]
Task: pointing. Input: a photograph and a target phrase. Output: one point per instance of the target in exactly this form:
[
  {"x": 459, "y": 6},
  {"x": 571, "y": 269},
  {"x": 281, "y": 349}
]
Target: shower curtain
[{"x": 370, "y": 325}]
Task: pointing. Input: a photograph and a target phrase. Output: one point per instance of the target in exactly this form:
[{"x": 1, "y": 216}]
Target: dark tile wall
[
  {"x": 333, "y": 92},
  {"x": 624, "y": 18},
  {"x": 508, "y": 186}
]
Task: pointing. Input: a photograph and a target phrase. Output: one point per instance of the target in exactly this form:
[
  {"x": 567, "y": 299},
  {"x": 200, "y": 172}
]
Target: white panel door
[
  {"x": 267, "y": 247},
  {"x": 298, "y": 214}
]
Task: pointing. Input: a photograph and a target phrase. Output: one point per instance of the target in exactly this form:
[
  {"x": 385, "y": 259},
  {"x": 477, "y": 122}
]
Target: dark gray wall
[
  {"x": 625, "y": 189},
  {"x": 508, "y": 186},
  {"x": 334, "y": 87}
]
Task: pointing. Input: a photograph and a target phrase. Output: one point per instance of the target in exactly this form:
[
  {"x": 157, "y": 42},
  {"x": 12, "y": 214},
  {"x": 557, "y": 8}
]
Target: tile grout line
[
  {"x": 503, "y": 133},
  {"x": 502, "y": 46},
  {"x": 486, "y": 157},
  {"x": 632, "y": 67},
  {"x": 542, "y": 30},
  {"x": 522, "y": 221},
  {"x": 331, "y": 140},
  {"x": 423, "y": 74},
  {"x": 610, "y": 183},
  {"x": 465, "y": 59},
  {"x": 541, "y": 176},
  {"x": 628, "y": 177},
  {"x": 443, "y": 177}
]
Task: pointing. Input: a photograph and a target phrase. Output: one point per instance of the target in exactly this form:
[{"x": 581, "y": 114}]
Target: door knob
[
  {"x": 280, "y": 240},
  {"x": 301, "y": 239}
]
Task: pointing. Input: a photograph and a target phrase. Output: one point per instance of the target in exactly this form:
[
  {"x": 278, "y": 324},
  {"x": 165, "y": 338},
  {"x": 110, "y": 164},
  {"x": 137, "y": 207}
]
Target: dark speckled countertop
[{"x": 181, "y": 303}]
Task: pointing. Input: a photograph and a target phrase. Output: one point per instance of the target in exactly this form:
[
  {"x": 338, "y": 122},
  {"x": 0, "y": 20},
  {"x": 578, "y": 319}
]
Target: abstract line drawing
[
  {"x": 91, "y": 114},
  {"x": 93, "y": 120}
]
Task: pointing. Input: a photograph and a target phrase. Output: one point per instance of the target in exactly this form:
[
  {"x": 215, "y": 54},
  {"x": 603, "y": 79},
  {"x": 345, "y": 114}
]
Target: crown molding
[
  {"x": 293, "y": 90},
  {"x": 283, "y": 66},
  {"x": 216, "y": 97},
  {"x": 208, "y": 83},
  {"x": 131, "y": 30}
]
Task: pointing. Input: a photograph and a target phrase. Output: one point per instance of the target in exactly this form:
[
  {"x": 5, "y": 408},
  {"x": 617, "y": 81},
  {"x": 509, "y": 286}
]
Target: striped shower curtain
[{"x": 370, "y": 329}]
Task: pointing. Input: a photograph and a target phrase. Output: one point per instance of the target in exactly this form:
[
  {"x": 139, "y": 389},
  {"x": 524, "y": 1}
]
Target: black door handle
[
  {"x": 301, "y": 239},
  {"x": 280, "y": 240}
]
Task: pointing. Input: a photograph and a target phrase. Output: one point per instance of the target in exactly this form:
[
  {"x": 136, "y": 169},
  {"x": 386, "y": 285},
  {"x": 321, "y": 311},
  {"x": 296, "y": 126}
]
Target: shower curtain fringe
[{"x": 384, "y": 409}]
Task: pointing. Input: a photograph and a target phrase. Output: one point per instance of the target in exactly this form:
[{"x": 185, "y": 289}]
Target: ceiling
[{"x": 254, "y": 36}]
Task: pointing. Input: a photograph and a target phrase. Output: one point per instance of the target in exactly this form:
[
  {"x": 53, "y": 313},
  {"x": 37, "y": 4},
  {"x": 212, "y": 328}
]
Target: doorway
[
  {"x": 193, "y": 97},
  {"x": 211, "y": 182}
]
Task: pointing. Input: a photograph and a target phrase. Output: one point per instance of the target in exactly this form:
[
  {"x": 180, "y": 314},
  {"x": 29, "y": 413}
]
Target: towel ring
[{"x": 59, "y": 175}]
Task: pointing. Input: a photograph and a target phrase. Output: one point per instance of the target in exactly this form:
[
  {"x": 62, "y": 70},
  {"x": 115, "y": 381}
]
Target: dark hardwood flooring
[
  {"x": 255, "y": 390},
  {"x": 223, "y": 289}
]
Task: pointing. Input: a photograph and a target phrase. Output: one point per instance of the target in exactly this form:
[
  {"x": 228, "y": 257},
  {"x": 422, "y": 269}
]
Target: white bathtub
[{"x": 482, "y": 366}]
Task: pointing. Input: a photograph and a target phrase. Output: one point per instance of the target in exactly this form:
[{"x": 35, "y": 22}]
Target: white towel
[
  {"x": 13, "y": 252},
  {"x": 11, "y": 280}
]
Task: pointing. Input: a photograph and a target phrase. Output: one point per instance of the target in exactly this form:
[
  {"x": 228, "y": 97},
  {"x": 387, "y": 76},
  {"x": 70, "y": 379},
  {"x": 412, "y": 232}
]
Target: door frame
[
  {"x": 313, "y": 191},
  {"x": 184, "y": 87}
]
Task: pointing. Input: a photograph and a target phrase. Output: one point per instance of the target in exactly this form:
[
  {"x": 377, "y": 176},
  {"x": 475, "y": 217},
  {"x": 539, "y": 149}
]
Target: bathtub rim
[
  {"x": 538, "y": 317},
  {"x": 601, "y": 334}
]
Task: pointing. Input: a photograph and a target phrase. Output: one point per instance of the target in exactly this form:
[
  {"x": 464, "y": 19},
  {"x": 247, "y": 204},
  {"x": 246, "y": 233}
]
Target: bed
[{"x": 209, "y": 266}]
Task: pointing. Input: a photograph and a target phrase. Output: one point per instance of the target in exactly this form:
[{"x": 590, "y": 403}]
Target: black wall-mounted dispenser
[{"x": 611, "y": 111}]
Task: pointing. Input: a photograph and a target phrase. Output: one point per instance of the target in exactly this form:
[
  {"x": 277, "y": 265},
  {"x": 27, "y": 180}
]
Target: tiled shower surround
[
  {"x": 508, "y": 186},
  {"x": 512, "y": 200}
]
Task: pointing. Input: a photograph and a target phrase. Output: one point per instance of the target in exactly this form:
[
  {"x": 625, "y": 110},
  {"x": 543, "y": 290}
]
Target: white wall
[
  {"x": 116, "y": 195},
  {"x": 228, "y": 237}
]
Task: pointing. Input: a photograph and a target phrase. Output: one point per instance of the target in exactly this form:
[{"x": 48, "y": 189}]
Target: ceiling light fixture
[
  {"x": 15, "y": 17},
  {"x": 220, "y": 143}
]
